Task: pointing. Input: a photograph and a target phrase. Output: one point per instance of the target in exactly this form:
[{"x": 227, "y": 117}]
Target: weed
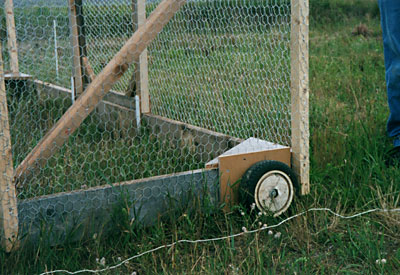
[{"x": 348, "y": 174}]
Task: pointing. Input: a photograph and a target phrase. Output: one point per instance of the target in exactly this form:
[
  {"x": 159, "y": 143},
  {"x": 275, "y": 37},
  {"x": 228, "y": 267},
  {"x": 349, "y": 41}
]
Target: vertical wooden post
[
  {"x": 8, "y": 200},
  {"x": 300, "y": 92},
  {"x": 11, "y": 36},
  {"x": 78, "y": 44},
  {"x": 141, "y": 70}
]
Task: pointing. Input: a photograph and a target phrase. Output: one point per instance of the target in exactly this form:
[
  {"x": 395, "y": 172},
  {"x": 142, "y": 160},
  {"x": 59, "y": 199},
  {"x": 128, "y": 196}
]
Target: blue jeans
[{"x": 390, "y": 21}]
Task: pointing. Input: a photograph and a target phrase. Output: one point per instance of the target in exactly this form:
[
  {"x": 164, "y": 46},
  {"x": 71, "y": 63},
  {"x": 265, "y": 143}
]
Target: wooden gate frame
[
  {"x": 102, "y": 83},
  {"x": 8, "y": 199}
]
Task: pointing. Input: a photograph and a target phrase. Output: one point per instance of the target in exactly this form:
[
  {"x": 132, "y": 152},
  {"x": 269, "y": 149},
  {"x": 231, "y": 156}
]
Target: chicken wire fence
[{"x": 223, "y": 66}]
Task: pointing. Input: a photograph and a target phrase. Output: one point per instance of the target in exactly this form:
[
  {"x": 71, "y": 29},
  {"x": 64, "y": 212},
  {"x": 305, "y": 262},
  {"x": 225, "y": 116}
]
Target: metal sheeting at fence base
[{"x": 79, "y": 214}]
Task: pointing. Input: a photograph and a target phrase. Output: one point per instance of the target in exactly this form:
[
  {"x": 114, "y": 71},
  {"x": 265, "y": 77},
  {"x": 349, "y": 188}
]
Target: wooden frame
[
  {"x": 8, "y": 199},
  {"x": 231, "y": 166},
  {"x": 300, "y": 93},
  {"x": 141, "y": 75},
  {"x": 11, "y": 36},
  {"x": 78, "y": 44},
  {"x": 97, "y": 89}
]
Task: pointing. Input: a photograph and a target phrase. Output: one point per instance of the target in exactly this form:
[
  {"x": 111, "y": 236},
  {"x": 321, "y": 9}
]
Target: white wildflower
[
  {"x": 244, "y": 229},
  {"x": 253, "y": 206},
  {"x": 259, "y": 214},
  {"x": 381, "y": 261},
  {"x": 235, "y": 270},
  {"x": 259, "y": 224},
  {"x": 270, "y": 232},
  {"x": 277, "y": 235},
  {"x": 242, "y": 213},
  {"x": 264, "y": 225},
  {"x": 102, "y": 261}
]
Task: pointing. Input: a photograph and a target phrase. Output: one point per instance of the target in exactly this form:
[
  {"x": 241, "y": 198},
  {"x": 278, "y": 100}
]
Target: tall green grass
[{"x": 348, "y": 144}]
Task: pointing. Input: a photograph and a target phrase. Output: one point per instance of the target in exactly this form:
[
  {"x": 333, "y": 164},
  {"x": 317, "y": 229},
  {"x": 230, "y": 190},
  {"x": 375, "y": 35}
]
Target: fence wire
[{"x": 222, "y": 65}]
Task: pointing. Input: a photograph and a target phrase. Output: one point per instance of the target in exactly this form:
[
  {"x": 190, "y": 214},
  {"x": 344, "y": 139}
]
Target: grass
[
  {"x": 94, "y": 155},
  {"x": 237, "y": 61},
  {"x": 228, "y": 74},
  {"x": 348, "y": 141}
]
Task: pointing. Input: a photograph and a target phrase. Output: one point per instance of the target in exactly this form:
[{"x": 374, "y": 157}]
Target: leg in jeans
[{"x": 390, "y": 21}]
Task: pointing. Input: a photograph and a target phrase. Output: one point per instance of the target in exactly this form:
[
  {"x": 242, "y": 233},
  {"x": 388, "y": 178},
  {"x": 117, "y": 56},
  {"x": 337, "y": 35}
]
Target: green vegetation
[
  {"x": 210, "y": 73},
  {"x": 348, "y": 174},
  {"x": 94, "y": 155}
]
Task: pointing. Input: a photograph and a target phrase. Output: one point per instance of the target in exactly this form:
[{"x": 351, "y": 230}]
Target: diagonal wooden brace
[{"x": 100, "y": 86}]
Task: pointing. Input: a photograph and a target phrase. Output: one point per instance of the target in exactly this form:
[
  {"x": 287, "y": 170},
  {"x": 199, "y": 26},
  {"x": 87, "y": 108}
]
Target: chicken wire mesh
[{"x": 222, "y": 65}]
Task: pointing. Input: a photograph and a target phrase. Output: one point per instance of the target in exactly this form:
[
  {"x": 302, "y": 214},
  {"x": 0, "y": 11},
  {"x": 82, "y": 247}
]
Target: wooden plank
[
  {"x": 250, "y": 145},
  {"x": 88, "y": 69},
  {"x": 141, "y": 76},
  {"x": 11, "y": 36},
  {"x": 232, "y": 168},
  {"x": 8, "y": 199},
  {"x": 55, "y": 91},
  {"x": 78, "y": 44},
  {"x": 18, "y": 76},
  {"x": 101, "y": 85},
  {"x": 204, "y": 143},
  {"x": 300, "y": 93}
]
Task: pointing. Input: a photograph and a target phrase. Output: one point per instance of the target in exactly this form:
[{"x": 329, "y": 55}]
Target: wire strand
[{"x": 224, "y": 237}]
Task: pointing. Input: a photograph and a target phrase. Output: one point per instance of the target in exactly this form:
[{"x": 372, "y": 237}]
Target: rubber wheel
[{"x": 271, "y": 185}]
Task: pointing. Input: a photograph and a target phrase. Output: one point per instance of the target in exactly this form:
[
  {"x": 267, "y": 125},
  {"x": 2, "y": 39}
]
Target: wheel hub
[{"x": 274, "y": 192}]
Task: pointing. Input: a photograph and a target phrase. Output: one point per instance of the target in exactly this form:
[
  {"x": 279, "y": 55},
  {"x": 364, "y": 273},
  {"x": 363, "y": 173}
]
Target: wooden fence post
[
  {"x": 8, "y": 200},
  {"x": 141, "y": 76},
  {"x": 78, "y": 44},
  {"x": 11, "y": 36},
  {"x": 300, "y": 92},
  {"x": 99, "y": 87}
]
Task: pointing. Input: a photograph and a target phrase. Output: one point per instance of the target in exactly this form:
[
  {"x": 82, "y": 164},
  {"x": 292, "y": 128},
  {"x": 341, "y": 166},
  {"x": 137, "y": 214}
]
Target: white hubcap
[{"x": 274, "y": 192}]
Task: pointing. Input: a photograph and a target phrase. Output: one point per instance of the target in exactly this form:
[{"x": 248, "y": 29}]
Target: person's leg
[{"x": 390, "y": 20}]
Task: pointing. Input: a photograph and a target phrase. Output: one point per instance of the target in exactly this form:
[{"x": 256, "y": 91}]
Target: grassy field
[
  {"x": 348, "y": 174},
  {"x": 213, "y": 56},
  {"x": 228, "y": 73}
]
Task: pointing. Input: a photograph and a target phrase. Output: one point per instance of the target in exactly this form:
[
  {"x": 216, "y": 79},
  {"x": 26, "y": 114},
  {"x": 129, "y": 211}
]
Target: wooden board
[
  {"x": 204, "y": 143},
  {"x": 249, "y": 145},
  {"x": 97, "y": 89},
  {"x": 300, "y": 93},
  {"x": 47, "y": 89},
  {"x": 233, "y": 165},
  {"x": 78, "y": 44},
  {"x": 11, "y": 36},
  {"x": 88, "y": 69},
  {"x": 17, "y": 76},
  {"x": 141, "y": 70},
  {"x": 8, "y": 199}
]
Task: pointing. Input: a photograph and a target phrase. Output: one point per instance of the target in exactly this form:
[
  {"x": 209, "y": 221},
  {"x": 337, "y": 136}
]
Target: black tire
[{"x": 253, "y": 175}]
